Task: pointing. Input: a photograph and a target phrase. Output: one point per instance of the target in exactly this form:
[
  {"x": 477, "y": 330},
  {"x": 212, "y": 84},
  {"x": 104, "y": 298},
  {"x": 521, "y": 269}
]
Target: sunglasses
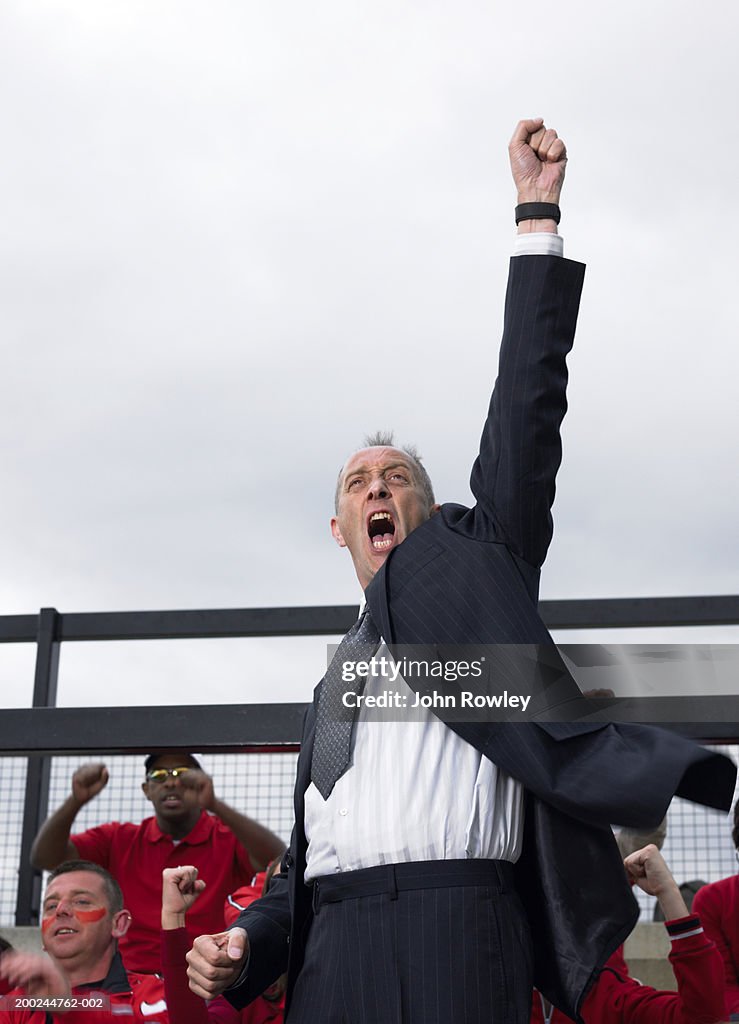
[{"x": 162, "y": 774}]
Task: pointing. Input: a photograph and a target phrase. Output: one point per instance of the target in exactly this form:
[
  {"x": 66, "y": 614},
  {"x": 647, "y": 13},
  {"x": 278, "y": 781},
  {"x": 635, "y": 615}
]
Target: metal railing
[{"x": 44, "y": 729}]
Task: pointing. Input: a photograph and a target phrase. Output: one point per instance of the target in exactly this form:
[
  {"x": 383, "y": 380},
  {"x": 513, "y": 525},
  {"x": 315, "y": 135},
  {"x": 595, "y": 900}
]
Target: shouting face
[
  {"x": 381, "y": 500},
  {"x": 175, "y": 795}
]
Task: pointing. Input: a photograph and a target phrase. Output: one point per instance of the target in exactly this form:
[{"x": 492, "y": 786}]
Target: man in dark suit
[{"x": 399, "y": 900}]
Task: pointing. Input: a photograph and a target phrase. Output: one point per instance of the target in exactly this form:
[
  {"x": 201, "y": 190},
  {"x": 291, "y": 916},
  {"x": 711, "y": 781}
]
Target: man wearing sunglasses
[{"x": 190, "y": 825}]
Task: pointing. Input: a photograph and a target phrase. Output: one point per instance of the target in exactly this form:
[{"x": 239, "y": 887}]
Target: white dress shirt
[{"x": 415, "y": 791}]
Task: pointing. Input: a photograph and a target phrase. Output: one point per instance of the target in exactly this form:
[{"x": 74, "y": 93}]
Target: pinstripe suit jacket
[{"x": 471, "y": 576}]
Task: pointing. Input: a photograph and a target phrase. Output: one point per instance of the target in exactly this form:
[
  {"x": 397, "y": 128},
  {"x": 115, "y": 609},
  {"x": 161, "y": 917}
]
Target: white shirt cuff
[{"x": 539, "y": 243}]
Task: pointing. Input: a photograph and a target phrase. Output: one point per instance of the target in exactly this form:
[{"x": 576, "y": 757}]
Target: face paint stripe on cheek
[
  {"x": 88, "y": 916},
  {"x": 46, "y": 922}
]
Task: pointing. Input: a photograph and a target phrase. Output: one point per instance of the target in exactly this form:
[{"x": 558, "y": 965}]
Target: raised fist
[
  {"x": 202, "y": 784},
  {"x": 180, "y": 888},
  {"x": 538, "y": 161},
  {"x": 88, "y": 781}
]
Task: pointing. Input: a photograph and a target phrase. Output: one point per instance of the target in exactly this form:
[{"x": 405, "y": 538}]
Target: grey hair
[{"x": 386, "y": 439}]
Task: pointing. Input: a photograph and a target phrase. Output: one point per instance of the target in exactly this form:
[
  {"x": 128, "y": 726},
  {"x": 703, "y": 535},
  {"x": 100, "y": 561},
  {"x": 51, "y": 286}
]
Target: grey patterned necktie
[{"x": 334, "y": 721}]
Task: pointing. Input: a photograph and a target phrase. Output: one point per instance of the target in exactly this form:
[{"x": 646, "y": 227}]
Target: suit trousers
[{"x": 436, "y": 942}]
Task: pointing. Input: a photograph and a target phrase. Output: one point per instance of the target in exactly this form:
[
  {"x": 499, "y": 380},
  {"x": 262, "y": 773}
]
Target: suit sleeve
[
  {"x": 520, "y": 449},
  {"x": 267, "y": 925}
]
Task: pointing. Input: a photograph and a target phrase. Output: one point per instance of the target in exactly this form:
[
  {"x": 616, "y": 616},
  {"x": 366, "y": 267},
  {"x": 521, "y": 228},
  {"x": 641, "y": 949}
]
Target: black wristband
[{"x": 537, "y": 211}]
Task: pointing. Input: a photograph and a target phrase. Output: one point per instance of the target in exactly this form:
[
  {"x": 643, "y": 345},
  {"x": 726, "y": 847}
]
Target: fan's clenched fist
[{"x": 88, "y": 781}]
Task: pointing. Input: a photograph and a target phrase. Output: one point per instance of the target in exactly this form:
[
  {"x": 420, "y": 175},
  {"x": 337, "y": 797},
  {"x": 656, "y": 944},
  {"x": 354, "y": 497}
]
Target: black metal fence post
[{"x": 39, "y": 768}]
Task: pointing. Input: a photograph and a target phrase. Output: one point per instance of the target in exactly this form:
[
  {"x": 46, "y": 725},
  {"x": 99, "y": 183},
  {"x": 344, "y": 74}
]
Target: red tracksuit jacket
[{"x": 617, "y": 998}]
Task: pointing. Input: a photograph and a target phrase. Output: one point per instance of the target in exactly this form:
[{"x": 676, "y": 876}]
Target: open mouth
[
  {"x": 65, "y": 931},
  {"x": 381, "y": 530},
  {"x": 171, "y": 801}
]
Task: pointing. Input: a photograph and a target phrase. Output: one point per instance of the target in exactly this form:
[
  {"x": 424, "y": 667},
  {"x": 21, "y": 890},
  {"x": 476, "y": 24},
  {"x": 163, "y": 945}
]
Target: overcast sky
[{"x": 237, "y": 236}]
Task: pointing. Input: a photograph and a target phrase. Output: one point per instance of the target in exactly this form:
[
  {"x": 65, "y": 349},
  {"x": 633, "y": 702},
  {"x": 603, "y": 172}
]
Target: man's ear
[
  {"x": 145, "y": 790},
  {"x": 434, "y": 509},
  {"x": 337, "y": 532},
  {"x": 121, "y": 924}
]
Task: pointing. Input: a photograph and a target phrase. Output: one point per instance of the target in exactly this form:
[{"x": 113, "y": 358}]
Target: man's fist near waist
[{"x": 216, "y": 961}]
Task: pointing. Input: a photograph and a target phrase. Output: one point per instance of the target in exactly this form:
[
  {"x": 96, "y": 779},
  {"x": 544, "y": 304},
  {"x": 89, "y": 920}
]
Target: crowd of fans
[{"x": 124, "y": 901}]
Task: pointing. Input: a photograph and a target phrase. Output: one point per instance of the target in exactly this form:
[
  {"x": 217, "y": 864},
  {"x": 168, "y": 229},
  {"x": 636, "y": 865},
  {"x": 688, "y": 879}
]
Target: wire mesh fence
[
  {"x": 12, "y": 786},
  {"x": 258, "y": 785},
  {"x": 698, "y": 843}
]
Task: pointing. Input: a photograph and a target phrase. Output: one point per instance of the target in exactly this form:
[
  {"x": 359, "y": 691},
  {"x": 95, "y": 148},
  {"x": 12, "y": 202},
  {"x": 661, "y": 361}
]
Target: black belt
[{"x": 391, "y": 879}]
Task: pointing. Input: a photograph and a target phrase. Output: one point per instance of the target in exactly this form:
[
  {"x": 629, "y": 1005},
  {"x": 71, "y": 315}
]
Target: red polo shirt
[{"x": 136, "y": 855}]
